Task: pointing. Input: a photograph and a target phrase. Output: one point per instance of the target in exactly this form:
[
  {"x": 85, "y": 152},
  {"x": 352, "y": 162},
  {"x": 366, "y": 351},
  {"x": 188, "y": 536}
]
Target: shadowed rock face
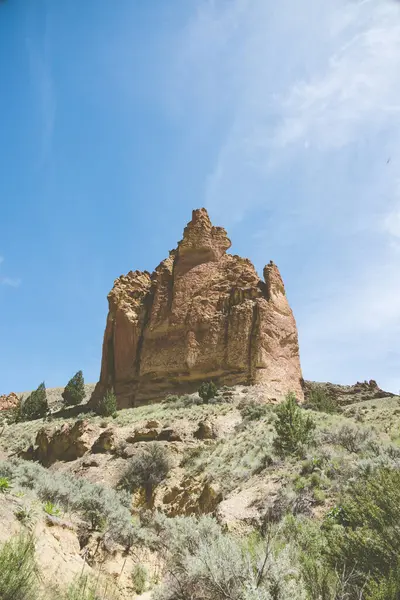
[{"x": 203, "y": 314}]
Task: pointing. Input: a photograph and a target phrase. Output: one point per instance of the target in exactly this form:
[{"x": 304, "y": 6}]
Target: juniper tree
[
  {"x": 35, "y": 406},
  {"x": 107, "y": 405},
  {"x": 293, "y": 428},
  {"x": 207, "y": 390},
  {"x": 74, "y": 391}
]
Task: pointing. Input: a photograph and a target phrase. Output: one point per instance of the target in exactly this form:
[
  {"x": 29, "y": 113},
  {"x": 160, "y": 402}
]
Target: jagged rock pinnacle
[{"x": 203, "y": 314}]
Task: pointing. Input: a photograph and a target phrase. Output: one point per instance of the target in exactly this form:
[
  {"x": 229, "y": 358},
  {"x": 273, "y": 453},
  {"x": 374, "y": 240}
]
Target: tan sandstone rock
[
  {"x": 67, "y": 443},
  {"x": 205, "y": 431},
  {"x": 7, "y": 402},
  {"x": 202, "y": 315},
  {"x": 105, "y": 442}
]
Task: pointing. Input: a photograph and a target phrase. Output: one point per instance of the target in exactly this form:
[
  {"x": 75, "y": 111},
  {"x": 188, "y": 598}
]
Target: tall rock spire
[
  {"x": 203, "y": 314},
  {"x": 201, "y": 241}
]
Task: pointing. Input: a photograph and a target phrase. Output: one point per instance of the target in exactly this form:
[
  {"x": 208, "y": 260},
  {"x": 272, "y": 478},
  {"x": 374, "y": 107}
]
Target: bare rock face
[
  {"x": 65, "y": 444},
  {"x": 105, "y": 442},
  {"x": 9, "y": 401},
  {"x": 202, "y": 315}
]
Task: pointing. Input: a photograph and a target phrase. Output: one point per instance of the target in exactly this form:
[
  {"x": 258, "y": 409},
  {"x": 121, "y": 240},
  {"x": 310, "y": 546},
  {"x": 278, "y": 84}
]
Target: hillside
[{"x": 181, "y": 492}]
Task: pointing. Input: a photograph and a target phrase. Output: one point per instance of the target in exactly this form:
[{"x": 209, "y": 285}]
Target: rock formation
[
  {"x": 7, "y": 402},
  {"x": 202, "y": 315}
]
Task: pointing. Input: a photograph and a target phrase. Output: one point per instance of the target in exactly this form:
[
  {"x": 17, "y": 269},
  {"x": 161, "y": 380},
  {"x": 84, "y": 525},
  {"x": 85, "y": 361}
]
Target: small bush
[
  {"x": 4, "y": 485},
  {"x": 18, "y": 570},
  {"x": 91, "y": 506},
  {"x": 23, "y": 515},
  {"x": 51, "y": 509},
  {"x": 82, "y": 588},
  {"x": 35, "y": 406},
  {"x": 253, "y": 411},
  {"x": 14, "y": 415},
  {"x": 319, "y": 400},
  {"x": 147, "y": 469},
  {"x": 352, "y": 439},
  {"x": 74, "y": 391},
  {"x": 139, "y": 578},
  {"x": 207, "y": 390},
  {"x": 319, "y": 496},
  {"x": 293, "y": 428},
  {"x": 103, "y": 508},
  {"x": 203, "y": 563},
  {"x": 366, "y": 537},
  {"x": 107, "y": 405}
]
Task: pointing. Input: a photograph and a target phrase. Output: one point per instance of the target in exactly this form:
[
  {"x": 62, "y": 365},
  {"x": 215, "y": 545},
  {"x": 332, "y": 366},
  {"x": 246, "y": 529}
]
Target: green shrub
[
  {"x": 139, "y": 578},
  {"x": 18, "y": 572},
  {"x": 107, "y": 405},
  {"x": 82, "y": 588},
  {"x": 319, "y": 400},
  {"x": 51, "y": 509},
  {"x": 319, "y": 496},
  {"x": 293, "y": 428},
  {"x": 253, "y": 411},
  {"x": 74, "y": 391},
  {"x": 207, "y": 390},
  {"x": 4, "y": 485},
  {"x": 386, "y": 589},
  {"x": 23, "y": 515},
  {"x": 147, "y": 469},
  {"x": 14, "y": 415},
  {"x": 103, "y": 508},
  {"x": 367, "y": 537},
  {"x": 35, "y": 406},
  {"x": 203, "y": 563},
  {"x": 351, "y": 438}
]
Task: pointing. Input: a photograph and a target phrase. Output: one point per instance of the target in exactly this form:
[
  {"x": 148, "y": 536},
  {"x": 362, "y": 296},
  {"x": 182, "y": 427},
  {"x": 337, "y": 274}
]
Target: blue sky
[{"x": 282, "y": 118}]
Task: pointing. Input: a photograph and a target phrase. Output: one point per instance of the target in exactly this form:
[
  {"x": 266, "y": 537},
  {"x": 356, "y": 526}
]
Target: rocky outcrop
[
  {"x": 66, "y": 444},
  {"x": 205, "y": 431},
  {"x": 347, "y": 394},
  {"x": 168, "y": 434},
  {"x": 7, "y": 402},
  {"x": 105, "y": 442},
  {"x": 191, "y": 497},
  {"x": 202, "y": 314}
]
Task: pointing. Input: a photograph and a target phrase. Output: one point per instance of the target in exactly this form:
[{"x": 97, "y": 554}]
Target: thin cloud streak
[
  {"x": 312, "y": 93},
  {"x": 8, "y": 281}
]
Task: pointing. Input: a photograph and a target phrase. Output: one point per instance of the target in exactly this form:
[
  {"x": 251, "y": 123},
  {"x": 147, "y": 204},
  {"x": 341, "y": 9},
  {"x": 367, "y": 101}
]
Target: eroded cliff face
[{"x": 203, "y": 314}]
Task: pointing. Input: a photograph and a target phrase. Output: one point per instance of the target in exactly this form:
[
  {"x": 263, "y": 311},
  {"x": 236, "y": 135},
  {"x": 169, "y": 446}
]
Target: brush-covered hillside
[{"x": 216, "y": 495}]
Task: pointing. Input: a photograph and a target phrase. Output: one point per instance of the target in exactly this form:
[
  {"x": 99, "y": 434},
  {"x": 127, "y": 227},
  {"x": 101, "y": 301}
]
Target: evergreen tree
[
  {"x": 107, "y": 405},
  {"x": 292, "y": 427},
  {"x": 74, "y": 391},
  {"x": 35, "y": 406},
  {"x": 207, "y": 390}
]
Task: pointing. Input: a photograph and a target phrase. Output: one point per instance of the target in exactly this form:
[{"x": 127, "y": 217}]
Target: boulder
[
  {"x": 105, "y": 442},
  {"x": 151, "y": 435},
  {"x": 205, "y": 431},
  {"x": 153, "y": 424},
  {"x": 143, "y": 435},
  {"x": 169, "y": 435},
  {"x": 202, "y": 315},
  {"x": 191, "y": 497},
  {"x": 65, "y": 444}
]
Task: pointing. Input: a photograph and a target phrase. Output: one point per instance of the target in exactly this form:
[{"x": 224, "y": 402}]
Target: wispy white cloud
[
  {"x": 9, "y": 281},
  {"x": 310, "y": 97}
]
